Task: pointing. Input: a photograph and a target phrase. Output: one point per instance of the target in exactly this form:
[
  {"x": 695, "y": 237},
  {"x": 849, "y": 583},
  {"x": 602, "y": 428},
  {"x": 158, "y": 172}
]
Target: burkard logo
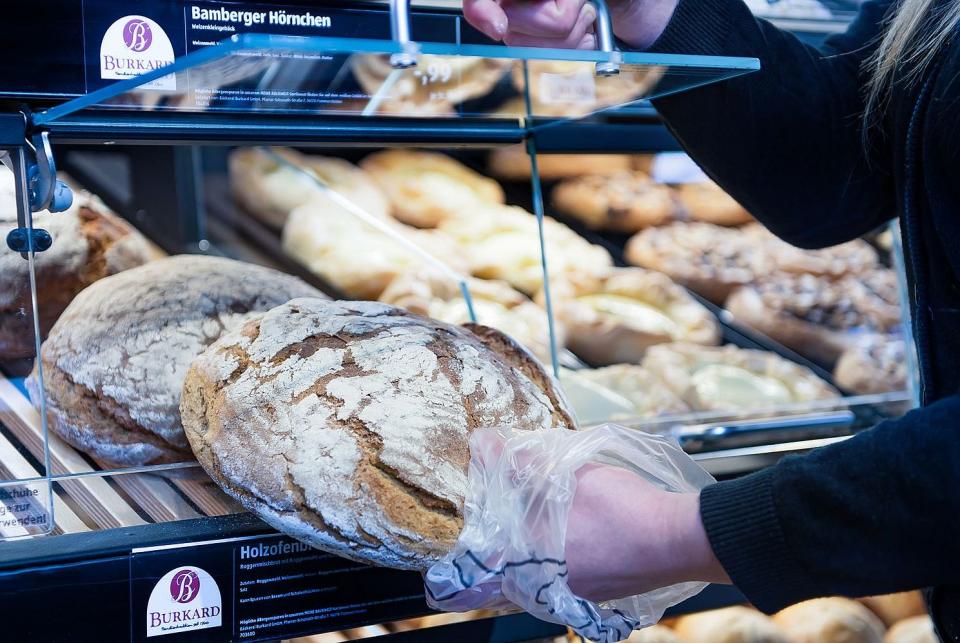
[
  {"x": 185, "y": 599},
  {"x": 137, "y": 35},
  {"x": 134, "y": 45}
]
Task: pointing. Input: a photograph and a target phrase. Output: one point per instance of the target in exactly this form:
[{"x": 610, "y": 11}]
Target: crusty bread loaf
[
  {"x": 736, "y": 624},
  {"x": 89, "y": 243},
  {"x": 115, "y": 361},
  {"x": 346, "y": 424},
  {"x": 830, "y": 620},
  {"x": 892, "y": 608}
]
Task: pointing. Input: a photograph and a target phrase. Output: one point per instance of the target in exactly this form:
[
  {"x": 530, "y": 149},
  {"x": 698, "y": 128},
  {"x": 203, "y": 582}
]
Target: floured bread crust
[
  {"x": 728, "y": 378},
  {"x": 428, "y": 188},
  {"x": 819, "y": 316},
  {"x": 115, "y": 361},
  {"x": 708, "y": 202},
  {"x": 89, "y": 243},
  {"x": 270, "y": 190},
  {"x": 346, "y": 424},
  {"x": 624, "y": 202},
  {"x": 615, "y": 316},
  {"x": 495, "y": 303},
  {"x": 503, "y": 242}
]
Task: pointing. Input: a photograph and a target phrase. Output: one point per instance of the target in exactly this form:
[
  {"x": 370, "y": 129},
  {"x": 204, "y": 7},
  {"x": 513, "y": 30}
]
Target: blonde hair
[{"x": 913, "y": 36}]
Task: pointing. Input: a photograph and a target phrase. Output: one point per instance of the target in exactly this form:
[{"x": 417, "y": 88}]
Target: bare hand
[{"x": 567, "y": 24}]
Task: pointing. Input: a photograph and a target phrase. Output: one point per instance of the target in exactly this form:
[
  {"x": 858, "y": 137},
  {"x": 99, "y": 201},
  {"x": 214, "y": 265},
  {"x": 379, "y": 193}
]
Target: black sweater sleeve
[
  {"x": 874, "y": 514},
  {"x": 785, "y": 141}
]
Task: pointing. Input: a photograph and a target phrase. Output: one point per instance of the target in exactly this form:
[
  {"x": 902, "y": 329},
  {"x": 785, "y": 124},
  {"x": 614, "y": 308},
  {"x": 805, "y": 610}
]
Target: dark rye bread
[
  {"x": 89, "y": 243},
  {"x": 115, "y": 361},
  {"x": 346, "y": 424}
]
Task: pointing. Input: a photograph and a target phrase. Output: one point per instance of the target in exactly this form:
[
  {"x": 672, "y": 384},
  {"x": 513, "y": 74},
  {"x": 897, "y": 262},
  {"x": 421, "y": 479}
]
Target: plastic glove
[{"x": 511, "y": 550}]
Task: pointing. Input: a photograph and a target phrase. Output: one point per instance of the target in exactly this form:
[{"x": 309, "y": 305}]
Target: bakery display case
[{"x": 400, "y": 159}]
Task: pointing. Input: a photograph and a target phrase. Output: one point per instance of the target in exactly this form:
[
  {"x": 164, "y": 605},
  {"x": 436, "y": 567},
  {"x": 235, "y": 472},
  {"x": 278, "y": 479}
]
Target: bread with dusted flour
[{"x": 346, "y": 424}]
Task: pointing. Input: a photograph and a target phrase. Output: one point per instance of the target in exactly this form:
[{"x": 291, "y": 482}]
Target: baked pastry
[
  {"x": 427, "y": 188},
  {"x": 654, "y": 634},
  {"x": 711, "y": 260},
  {"x": 495, "y": 304},
  {"x": 648, "y": 394},
  {"x": 269, "y": 189},
  {"x": 359, "y": 260},
  {"x": 854, "y": 257},
  {"x": 733, "y": 379},
  {"x": 830, "y": 620},
  {"x": 614, "y": 316},
  {"x": 916, "y": 629},
  {"x": 736, "y": 624},
  {"x": 709, "y": 203},
  {"x": 820, "y": 317},
  {"x": 503, "y": 242},
  {"x": 114, "y": 363},
  {"x": 346, "y": 424},
  {"x": 892, "y": 608},
  {"x": 513, "y": 164},
  {"x": 434, "y": 87},
  {"x": 571, "y": 88},
  {"x": 873, "y": 365},
  {"x": 621, "y": 202},
  {"x": 89, "y": 243}
]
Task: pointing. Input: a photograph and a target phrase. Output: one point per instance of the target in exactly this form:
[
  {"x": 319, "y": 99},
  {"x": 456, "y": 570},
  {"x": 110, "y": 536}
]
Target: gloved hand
[{"x": 530, "y": 534}]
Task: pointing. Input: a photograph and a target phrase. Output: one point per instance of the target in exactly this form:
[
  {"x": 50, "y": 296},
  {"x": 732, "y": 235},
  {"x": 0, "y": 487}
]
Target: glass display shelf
[{"x": 254, "y": 74}]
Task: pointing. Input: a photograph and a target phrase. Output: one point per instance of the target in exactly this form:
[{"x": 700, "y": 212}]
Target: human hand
[
  {"x": 567, "y": 24},
  {"x": 555, "y": 518}
]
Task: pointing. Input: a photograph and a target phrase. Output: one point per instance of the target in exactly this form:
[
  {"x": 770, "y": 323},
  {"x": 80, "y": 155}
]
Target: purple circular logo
[
  {"x": 137, "y": 35},
  {"x": 184, "y": 586}
]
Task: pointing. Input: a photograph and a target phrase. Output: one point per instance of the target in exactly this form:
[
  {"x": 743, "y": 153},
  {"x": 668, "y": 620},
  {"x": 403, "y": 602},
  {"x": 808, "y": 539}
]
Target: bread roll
[
  {"x": 495, "y": 304},
  {"x": 270, "y": 189},
  {"x": 728, "y": 378},
  {"x": 649, "y": 395},
  {"x": 346, "y": 424},
  {"x": 624, "y": 202},
  {"x": 513, "y": 164},
  {"x": 853, "y": 257},
  {"x": 503, "y": 242},
  {"x": 359, "y": 260},
  {"x": 616, "y": 315},
  {"x": 821, "y": 316},
  {"x": 428, "y": 188},
  {"x": 708, "y": 202},
  {"x": 872, "y": 366},
  {"x": 115, "y": 361},
  {"x": 916, "y": 629},
  {"x": 892, "y": 608},
  {"x": 729, "y": 625},
  {"x": 830, "y": 620},
  {"x": 654, "y": 634},
  {"x": 89, "y": 243}
]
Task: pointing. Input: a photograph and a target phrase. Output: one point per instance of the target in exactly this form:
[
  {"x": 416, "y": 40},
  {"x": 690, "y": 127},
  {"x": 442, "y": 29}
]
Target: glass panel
[{"x": 283, "y": 74}]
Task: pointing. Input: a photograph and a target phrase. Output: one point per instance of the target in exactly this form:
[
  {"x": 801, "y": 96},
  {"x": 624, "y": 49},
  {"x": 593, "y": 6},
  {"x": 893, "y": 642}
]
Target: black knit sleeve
[{"x": 785, "y": 141}]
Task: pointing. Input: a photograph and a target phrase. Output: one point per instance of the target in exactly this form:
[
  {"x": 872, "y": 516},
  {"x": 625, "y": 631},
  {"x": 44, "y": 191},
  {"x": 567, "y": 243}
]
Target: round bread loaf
[
  {"x": 830, "y": 620},
  {"x": 729, "y": 625},
  {"x": 115, "y": 361},
  {"x": 346, "y": 424},
  {"x": 89, "y": 243},
  {"x": 917, "y": 629}
]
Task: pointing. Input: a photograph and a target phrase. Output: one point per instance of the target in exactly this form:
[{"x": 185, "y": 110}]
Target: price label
[{"x": 579, "y": 88}]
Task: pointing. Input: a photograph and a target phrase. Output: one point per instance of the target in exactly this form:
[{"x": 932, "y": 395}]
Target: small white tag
[{"x": 578, "y": 88}]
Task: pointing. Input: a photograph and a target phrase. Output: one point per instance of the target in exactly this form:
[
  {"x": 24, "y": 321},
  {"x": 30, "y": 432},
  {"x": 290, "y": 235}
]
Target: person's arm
[
  {"x": 874, "y": 514},
  {"x": 787, "y": 141}
]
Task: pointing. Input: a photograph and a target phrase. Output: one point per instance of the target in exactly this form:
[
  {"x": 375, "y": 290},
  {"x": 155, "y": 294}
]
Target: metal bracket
[
  {"x": 605, "y": 40},
  {"x": 400, "y": 30}
]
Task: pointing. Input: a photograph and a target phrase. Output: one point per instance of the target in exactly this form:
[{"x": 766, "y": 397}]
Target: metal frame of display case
[{"x": 85, "y": 579}]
